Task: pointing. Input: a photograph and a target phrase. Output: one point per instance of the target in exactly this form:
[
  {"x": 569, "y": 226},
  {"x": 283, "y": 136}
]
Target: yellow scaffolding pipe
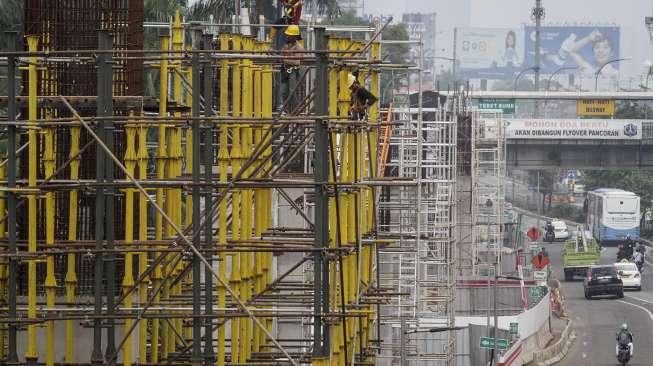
[
  {"x": 157, "y": 275},
  {"x": 71, "y": 274},
  {"x": 128, "y": 279},
  {"x": 175, "y": 156},
  {"x": 246, "y": 210},
  {"x": 32, "y": 45},
  {"x": 266, "y": 218},
  {"x": 236, "y": 156},
  {"x": 259, "y": 285},
  {"x": 50, "y": 280},
  {"x": 142, "y": 156},
  {"x": 223, "y": 160}
]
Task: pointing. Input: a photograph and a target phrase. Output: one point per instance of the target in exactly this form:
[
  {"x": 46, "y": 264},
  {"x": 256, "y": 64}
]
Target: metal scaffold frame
[
  {"x": 420, "y": 214},
  {"x": 488, "y": 192},
  {"x": 151, "y": 219}
]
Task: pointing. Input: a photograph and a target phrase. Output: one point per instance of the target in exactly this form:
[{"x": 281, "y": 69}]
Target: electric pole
[{"x": 537, "y": 15}]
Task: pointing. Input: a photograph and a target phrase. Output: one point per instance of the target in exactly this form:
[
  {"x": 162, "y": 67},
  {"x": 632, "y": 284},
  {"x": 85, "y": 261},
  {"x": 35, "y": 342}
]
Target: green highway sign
[
  {"x": 514, "y": 328},
  {"x": 488, "y": 342},
  {"x": 506, "y": 105}
]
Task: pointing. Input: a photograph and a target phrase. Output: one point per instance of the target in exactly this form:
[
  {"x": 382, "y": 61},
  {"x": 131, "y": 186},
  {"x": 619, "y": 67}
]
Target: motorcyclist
[
  {"x": 629, "y": 246},
  {"x": 549, "y": 230},
  {"x": 625, "y": 337},
  {"x": 638, "y": 258}
]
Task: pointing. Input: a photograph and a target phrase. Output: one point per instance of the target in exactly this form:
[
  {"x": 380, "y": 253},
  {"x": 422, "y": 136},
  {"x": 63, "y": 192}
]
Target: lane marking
[
  {"x": 640, "y": 299},
  {"x": 639, "y": 307}
]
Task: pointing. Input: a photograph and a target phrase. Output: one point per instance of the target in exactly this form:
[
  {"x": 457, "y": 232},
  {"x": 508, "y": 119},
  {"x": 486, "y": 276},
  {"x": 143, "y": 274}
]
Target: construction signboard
[
  {"x": 573, "y": 129},
  {"x": 595, "y": 107}
]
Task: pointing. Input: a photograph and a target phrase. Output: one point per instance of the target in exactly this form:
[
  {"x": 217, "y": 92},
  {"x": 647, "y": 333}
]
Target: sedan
[
  {"x": 560, "y": 229},
  {"x": 629, "y": 275}
]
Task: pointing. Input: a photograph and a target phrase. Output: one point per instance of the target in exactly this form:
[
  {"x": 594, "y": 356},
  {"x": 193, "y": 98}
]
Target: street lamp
[
  {"x": 598, "y": 72},
  {"x": 548, "y": 83},
  {"x": 495, "y": 357},
  {"x": 514, "y": 83}
]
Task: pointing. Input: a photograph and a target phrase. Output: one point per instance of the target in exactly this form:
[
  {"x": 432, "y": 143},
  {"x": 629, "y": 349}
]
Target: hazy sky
[{"x": 628, "y": 14}]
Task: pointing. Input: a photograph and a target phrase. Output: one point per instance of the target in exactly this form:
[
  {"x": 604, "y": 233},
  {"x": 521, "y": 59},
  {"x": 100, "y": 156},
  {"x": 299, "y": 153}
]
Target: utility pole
[{"x": 537, "y": 15}]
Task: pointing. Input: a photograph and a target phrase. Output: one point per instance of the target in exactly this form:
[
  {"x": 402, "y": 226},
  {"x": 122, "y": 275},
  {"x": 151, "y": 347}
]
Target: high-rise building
[
  {"x": 421, "y": 26},
  {"x": 352, "y": 5}
]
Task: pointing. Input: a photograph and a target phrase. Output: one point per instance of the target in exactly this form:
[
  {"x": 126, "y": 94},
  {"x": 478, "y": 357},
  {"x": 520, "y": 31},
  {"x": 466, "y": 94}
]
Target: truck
[{"x": 579, "y": 253}]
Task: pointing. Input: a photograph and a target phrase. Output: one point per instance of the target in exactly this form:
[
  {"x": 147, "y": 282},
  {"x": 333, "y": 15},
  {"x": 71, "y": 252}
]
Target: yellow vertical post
[
  {"x": 32, "y": 44},
  {"x": 266, "y": 112},
  {"x": 246, "y": 210},
  {"x": 157, "y": 275},
  {"x": 236, "y": 156},
  {"x": 175, "y": 156},
  {"x": 258, "y": 200},
  {"x": 333, "y": 228},
  {"x": 128, "y": 279},
  {"x": 223, "y": 160},
  {"x": 50, "y": 280},
  {"x": 142, "y": 156},
  {"x": 71, "y": 274}
]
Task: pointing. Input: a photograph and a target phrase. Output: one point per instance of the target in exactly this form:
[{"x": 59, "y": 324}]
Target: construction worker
[
  {"x": 290, "y": 67},
  {"x": 292, "y": 12},
  {"x": 361, "y": 99}
]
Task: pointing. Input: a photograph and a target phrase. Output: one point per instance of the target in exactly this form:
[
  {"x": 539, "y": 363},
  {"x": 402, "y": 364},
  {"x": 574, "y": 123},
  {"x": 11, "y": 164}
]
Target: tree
[{"x": 639, "y": 182}]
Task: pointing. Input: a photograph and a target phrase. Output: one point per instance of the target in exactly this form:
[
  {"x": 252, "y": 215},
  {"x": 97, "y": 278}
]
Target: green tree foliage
[{"x": 637, "y": 181}]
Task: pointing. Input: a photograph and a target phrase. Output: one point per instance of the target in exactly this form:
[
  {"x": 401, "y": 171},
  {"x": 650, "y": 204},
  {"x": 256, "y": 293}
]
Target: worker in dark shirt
[
  {"x": 361, "y": 99},
  {"x": 292, "y": 12}
]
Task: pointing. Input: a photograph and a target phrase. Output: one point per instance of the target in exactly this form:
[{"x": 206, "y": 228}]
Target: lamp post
[
  {"x": 548, "y": 83},
  {"x": 514, "y": 83},
  {"x": 598, "y": 72},
  {"x": 495, "y": 352}
]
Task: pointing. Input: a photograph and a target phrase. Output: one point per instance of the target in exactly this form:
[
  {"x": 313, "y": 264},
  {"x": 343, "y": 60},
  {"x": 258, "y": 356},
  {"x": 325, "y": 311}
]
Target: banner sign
[
  {"x": 595, "y": 107},
  {"x": 587, "y": 48},
  {"x": 574, "y": 129},
  {"x": 490, "y": 52}
]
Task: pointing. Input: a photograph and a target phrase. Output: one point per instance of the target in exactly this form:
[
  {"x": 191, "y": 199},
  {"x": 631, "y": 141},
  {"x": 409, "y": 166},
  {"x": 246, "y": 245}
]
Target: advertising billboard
[
  {"x": 490, "y": 52},
  {"x": 574, "y": 129},
  {"x": 586, "y": 48}
]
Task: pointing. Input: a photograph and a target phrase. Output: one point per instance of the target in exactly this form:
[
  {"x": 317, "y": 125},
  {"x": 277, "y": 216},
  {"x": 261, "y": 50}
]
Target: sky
[{"x": 512, "y": 13}]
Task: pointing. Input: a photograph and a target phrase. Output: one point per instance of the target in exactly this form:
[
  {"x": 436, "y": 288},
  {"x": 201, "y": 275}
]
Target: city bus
[{"x": 613, "y": 214}]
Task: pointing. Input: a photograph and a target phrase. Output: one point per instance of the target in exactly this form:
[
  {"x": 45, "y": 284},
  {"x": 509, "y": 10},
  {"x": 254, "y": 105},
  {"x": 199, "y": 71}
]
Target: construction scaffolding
[
  {"x": 149, "y": 230},
  {"x": 488, "y": 198},
  {"x": 419, "y": 213}
]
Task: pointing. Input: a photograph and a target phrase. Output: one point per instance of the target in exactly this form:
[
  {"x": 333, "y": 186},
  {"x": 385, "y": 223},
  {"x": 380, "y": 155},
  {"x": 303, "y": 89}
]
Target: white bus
[{"x": 612, "y": 214}]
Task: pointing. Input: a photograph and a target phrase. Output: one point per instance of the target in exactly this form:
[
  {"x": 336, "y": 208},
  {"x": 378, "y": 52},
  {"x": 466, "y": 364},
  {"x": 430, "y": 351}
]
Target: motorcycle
[
  {"x": 624, "y": 354},
  {"x": 640, "y": 266},
  {"x": 549, "y": 236}
]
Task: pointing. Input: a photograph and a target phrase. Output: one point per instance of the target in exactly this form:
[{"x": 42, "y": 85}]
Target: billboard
[
  {"x": 490, "y": 52},
  {"x": 573, "y": 129},
  {"x": 586, "y": 48}
]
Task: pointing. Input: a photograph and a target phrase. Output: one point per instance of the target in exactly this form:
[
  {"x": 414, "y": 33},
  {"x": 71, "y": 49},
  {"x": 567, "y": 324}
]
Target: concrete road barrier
[{"x": 557, "y": 351}]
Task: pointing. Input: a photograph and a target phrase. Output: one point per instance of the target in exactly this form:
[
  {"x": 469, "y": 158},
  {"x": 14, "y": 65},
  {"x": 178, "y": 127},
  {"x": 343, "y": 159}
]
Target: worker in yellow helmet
[
  {"x": 292, "y": 12},
  {"x": 291, "y": 53}
]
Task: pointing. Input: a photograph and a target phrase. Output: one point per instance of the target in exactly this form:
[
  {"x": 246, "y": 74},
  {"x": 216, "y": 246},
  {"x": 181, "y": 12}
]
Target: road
[{"x": 595, "y": 322}]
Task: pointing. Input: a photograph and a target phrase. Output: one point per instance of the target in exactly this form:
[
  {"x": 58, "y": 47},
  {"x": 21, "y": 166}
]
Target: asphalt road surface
[{"x": 596, "y": 321}]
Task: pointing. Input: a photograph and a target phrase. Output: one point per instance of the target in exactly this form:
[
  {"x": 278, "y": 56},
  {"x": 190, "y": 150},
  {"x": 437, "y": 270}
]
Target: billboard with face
[
  {"x": 489, "y": 52},
  {"x": 585, "y": 48}
]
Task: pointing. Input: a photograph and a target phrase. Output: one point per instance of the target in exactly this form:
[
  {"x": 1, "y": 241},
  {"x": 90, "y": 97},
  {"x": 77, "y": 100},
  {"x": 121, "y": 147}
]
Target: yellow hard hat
[
  {"x": 292, "y": 30},
  {"x": 351, "y": 79}
]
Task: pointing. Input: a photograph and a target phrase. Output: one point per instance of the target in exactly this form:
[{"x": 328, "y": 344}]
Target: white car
[
  {"x": 629, "y": 275},
  {"x": 560, "y": 229}
]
